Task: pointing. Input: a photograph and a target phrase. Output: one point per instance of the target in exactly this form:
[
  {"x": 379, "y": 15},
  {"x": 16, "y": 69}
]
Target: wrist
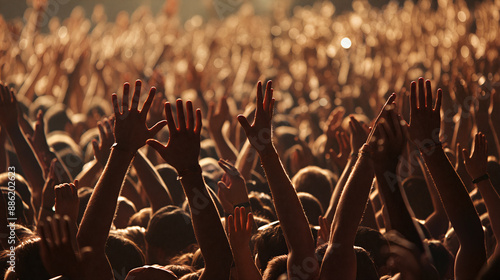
[
  {"x": 120, "y": 147},
  {"x": 430, "y": 147},
  {"x": 188, "y": 171},
  {"x": 266, "y": 151}
]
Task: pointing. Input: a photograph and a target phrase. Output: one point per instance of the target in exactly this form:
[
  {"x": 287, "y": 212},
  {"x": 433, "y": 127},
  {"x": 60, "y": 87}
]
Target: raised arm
[
  {"x": 240, "y": 227},
  {"x": 477, "y": 167},
  {"x": 393, "y": 198},
  {"x": 358, "y": 138},
  {"x": 216, "y": 119},
  {"x": 340, "y": 258},
  {"x": 424, "y": 132},
  {"x": 130, "y": 133},
  {"x": 29, "y": 163},
  {"x": 42, "y": 150},
  {"x": 152, "y": 183},
  {"x": 182, "y": 152},
  {"x": 288, "y": 207}
]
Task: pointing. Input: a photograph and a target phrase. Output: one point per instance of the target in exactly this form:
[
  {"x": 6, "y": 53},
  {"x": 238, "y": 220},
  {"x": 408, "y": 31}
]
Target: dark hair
[
  {"x": 57, "y": 117},
  {"x": 269, "y": 243},
  {"x": 259, "y": 208},
  {"x": 192, "y": 276},
  {"x": 169, "y": 176},
  {"x": 312, "y": 207},
  {"x": 123, "y": 254},
  {"x": 135, "y": 234},
  {"x": 443, "y": 260},
  {"x": 20, "y": 207},
  {"x": 315, "y": 181},
  {"x": 374, "y": 243},
  {"x": 28, "y": 262},
  {"x": 125, "y": 210},
  {"x": 275, "y": 268},
  {"x": 365, "y": 269},
  {"x": 21, "y": 186},
  {"x": 141, "y": 218},
  {"x": 180, "y": 270},
  {"x": 170, "y": 230}
]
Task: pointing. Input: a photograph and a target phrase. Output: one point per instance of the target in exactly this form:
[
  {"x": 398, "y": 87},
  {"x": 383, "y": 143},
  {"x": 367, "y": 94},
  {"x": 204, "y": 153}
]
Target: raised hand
[
  {"x": 156, "y": 111},
  {"x": 8, "y": 107},
  {"x": 183, "y": 147},
  {"x": 425, "y": 121},
  {"x": 48, "y": 195},
  {"x": 39, "y": 142},
  {"x": 259, "y": 133},
  {"x": 334, "y": 122},
  {"x": 216, "y": 120},
  {"x": 476, "y": 164},
  {"x": 391, "y": 139},
  {"x": 57, "y": 248},
  {"x": 106, "y": 140},
  {"x": 232, "y": 187},
  {"x": 340, "y": 158},
  {"x": 359, "y": 133},
  {"x": 131, "y": 131},
  {"x": 67, "y": 200},
  {"x": 240, "y": 227},
  {"x": 217, "y": 117}
]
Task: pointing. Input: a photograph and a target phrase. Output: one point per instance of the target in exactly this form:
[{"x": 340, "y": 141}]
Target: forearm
[
  {"x": 153, "y": 185},
  {"x": 400, "y": 218},
  {"x": 208, "y": 229},
  {"x": 437, "y": 222},
  {"x": 456, "y": 201},
  {"x": 340, "y": 259},
  {"x": 29, "y": 163},
  {"x": 98, "y": 216},
  {"x": 334, "y": 201},
  {"x": 246, "y": 160},
  {"x": 352, "y": 203},
  {"x": 492, "y": 201},
  {"x": 87, "y": 176},
  {"x": 288, "y": 207},
  {"x": 245, "y": 265},
  {"x": 224, "y": 149}
]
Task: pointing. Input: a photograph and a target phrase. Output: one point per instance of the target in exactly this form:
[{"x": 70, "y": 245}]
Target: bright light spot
[
  {"x": 323, "y": 102},
  {"x": 462, "y": 16},
  {"x": 345, "y": 43},
  {"x": 62, "y": 32}
]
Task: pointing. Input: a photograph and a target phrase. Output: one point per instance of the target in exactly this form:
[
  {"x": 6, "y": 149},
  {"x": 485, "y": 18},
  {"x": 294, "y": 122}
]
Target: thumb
[
  {"x": 244, "y": 123},
  {"x": 157, "y": 127},
  {"x": 95, "y": 146},
  {"x": 155, "y": 145}
]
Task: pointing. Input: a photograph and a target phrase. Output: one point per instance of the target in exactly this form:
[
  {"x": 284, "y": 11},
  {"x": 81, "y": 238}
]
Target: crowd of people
[{"x": 369, "y": 150}]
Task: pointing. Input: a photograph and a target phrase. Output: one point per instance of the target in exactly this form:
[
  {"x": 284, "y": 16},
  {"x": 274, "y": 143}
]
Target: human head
[{"x": 168, "y": 234}]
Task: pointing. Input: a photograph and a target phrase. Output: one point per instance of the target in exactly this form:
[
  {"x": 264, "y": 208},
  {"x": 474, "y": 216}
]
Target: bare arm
[
  {"x": 477, "y": 167},
  {"x": 182, "y": 152},
  {"x": 131, "y": 133},
  {"x": 340, "y": 259},
  {"x": 27, "y": 158},
  {"x": 358, "y": 138},
  {"x": 424, "y": 130},
  {"x": 240, "y": 227},
  {"x": 152, "y": 183},
  {"x": 288, "y": 207},
  {"x": 216, "y": 120}
]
